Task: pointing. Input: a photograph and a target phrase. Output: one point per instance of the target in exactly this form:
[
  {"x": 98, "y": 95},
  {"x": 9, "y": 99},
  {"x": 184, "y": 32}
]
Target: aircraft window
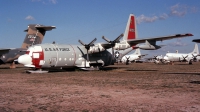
[
  {"x": 59, "y": 59},
  {"x": 35, "y": 55},
  {"x": 65, "y": 59}
]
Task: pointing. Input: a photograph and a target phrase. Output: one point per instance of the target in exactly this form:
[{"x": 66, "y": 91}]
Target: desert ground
[{"x": 137, "y": 87}]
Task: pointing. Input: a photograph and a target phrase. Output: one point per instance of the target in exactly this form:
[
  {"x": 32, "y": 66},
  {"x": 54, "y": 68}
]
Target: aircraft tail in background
[
  {"x": 196, "y": 49},
  {"x": 35, "y": 34},
  {"x": 137, "y": 52}
]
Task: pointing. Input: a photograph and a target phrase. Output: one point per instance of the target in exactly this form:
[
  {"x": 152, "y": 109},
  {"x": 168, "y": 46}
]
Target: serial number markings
[{"x": 56, "y": 49}]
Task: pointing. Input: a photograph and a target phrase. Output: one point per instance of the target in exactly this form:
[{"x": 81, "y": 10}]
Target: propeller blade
[
  {"x": 107, "y": 40},
  {"x": 113, "y": 52},
  {"x": 81, "y": 42},
  {"x": 118, "y": 38},
  {"x": 92, "y": 42},
  {"x": 87, "y": 56}
]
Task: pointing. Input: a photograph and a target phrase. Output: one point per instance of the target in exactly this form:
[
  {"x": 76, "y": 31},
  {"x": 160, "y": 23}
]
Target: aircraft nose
[
  {"x": 166, "y": 58},
  {"x": 26, "y": 60}
]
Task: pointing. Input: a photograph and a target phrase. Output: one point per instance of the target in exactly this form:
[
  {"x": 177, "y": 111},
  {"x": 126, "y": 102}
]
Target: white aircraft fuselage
[
  {"x": 65, "y": 56},
  {"x": 179, "y": 57}
]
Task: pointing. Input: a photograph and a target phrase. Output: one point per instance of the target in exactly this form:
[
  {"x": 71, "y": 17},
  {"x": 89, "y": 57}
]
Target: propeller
[
  {"x": 112, "y": 43},
  {"x": 155, "y": 57},
  {"x": 184, "y": 58},
  {"x": 127, "y": 60},
  {"x": 194, "y": 57},
  {"x": 87, "y": 46}
]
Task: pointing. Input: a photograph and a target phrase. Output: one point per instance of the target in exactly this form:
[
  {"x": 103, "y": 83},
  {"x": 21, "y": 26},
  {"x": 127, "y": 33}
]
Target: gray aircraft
[
  {"x": 35, "y": 35},
  {"x": 86, "y": 56}
]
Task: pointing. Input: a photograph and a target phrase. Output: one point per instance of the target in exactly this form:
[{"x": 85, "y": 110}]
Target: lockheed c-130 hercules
[{"x": 87, "y": 56}]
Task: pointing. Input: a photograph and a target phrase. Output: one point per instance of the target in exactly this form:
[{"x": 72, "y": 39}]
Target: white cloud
[
  {"x": 143, "y": 18},
  {"x": 175, "y": 10},
  {"x": 178, "y": 43},
  {"x": 53, "y": 1},
  {"x": 178, "y": 10},
  {"x": 163, "y": 16},
  {"x": 45, "y": 1},
  {"x": 30, "y": 18}
]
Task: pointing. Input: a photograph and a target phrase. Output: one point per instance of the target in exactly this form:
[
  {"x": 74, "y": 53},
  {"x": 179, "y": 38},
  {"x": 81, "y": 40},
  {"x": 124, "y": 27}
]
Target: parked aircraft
[
  {"x": 132, "y": 57},
  {"x": 35, "y": 35},
  {"x": 86, "y": 56},
  {"x": 186, "y": 57}
]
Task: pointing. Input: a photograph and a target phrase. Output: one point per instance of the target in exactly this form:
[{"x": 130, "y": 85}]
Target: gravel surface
[{"x": 138, "y": 87}]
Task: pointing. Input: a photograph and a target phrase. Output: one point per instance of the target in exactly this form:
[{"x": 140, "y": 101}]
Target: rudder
[
  {"x": 137, "y": 52},
  {"x": 196, "y": 49},
  {"x": 131, "y": 28}
]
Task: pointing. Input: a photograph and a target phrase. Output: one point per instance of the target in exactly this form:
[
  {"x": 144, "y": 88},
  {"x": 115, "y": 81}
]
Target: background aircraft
[
  {"x": 86, "y": 56},
  {"x": 35, "y": 35},
  {"x": 183, "y": 57},
  {"x": 132, "y": 57}
]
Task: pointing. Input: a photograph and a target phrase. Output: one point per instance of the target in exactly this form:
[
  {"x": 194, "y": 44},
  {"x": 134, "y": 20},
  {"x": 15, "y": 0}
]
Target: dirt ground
[{"x": 138, "y": 87}]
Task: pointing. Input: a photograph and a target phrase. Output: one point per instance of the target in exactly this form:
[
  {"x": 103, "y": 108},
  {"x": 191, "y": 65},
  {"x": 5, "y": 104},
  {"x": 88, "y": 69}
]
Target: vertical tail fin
[
  {"x": 35, "y": 34},
  {"x": 196, "y": 49},
  {"x": 137, "y": 52},
  {"x": 131, "y": 29}
]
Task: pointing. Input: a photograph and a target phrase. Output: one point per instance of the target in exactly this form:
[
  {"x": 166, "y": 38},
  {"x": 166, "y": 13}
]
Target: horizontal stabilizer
[{"x": 47, "y": 28}]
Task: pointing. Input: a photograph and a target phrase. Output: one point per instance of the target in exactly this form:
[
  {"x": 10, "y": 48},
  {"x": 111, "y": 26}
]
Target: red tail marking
[{"x": 131, "y": 31}]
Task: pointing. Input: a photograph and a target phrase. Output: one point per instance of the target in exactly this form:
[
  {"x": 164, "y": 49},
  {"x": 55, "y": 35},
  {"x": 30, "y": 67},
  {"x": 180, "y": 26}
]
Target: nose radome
[
  {"x": 25, "y": 60},
  {"x": 165, "y": 58}
]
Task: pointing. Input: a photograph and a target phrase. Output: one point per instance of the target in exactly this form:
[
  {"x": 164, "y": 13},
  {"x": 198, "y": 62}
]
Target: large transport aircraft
[
  {"x": 183, "y": 57},
  {"x": 132, "y": 57},
  {"x": 86, "y": 56},
  {"x": 35, "y": 35}
]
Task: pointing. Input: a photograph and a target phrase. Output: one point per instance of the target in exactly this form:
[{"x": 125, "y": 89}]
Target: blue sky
[{"x": 87, "y": 19}]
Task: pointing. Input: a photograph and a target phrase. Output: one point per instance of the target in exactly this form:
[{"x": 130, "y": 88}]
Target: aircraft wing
[
  {"x": 3, "y": 51},
  {"x": 137, "y": 41}
]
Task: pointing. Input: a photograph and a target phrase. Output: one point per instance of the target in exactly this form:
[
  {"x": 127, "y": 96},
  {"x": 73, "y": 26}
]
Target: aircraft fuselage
[{"x": 63, "y": 56}]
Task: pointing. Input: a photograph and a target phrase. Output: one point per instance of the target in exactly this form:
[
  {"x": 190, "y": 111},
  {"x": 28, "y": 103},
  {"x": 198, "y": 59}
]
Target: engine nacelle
[
  {"x": 95, "y": 49},
  {"x": 121, "y": 46}
]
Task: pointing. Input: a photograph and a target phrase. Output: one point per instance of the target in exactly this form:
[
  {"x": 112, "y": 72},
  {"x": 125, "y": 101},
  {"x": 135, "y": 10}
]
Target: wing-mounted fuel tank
[{"x": 150, "y": 45}]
